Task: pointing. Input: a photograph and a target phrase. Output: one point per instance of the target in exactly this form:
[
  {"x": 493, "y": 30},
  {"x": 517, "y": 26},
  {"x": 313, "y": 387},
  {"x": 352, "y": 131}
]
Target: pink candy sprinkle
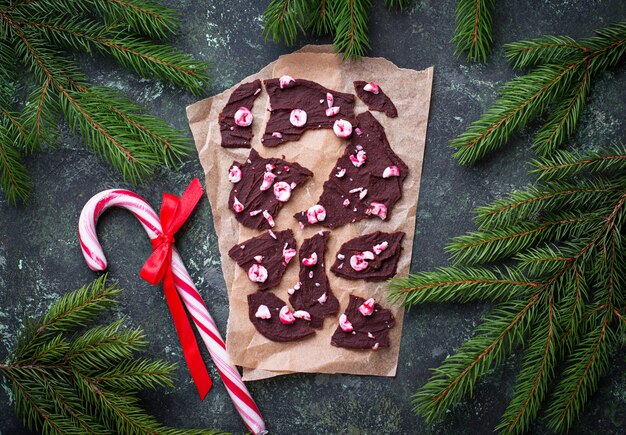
[
  {"x": 297, "y": 117},
  {"x": 330, "y": 100},
  {"x": 315, "y": 214},
  {"x": 375, "y": 347},
  {"x": 346, "y": 202},
  {"x": 282, "y": 191},
  {"x": 391, "y": 171},
  {"x": 258, "y": 258},
  {"x": 277, "y": 135},
  {"x": 285, "y": 81},
  {"x": 268, "y": 217},
  {"x": 255, "y": 212},
  {"x": 358, "y": 262},
  {"x": 285, "y": 316},
  {"x": 378, "y": 249},
  {"x": 263, "y": 312},
  {"x": 371, "y": 87},
  {"x": 368, "y": 255},
  {"x": 322, "y": 299},
  {"x": 237, "y": 206},
  {"x": 342, "y": 128},
  {"x": 268, "y": 179},
  {"x": 301, "y": 314},
  {"x": 358, "y": 159},
  {"x": 257, "y": 273},
  {"x": 341, "y": 256},
  {"x": 332, "y": 111},
  {"x": 272, "y": 235},
  {"x": 345, "y": 324},
  {"x": 367, "y": 307},
  {"x": 377, "y": 209},
  {"x": 310, "y": 261},
  {"x": 358, "y": 131},
  {"x": 234, "y": 174},
  {"x": 370, "y": 335},
  {"x": 243, "y": 117}
]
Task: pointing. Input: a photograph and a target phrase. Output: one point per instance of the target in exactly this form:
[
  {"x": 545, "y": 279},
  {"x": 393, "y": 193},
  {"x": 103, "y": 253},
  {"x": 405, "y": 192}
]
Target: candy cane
[{"x": 92, "y": 250}]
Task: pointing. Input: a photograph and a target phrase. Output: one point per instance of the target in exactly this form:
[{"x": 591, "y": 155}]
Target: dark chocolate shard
[
  {"x": 365, "y": 182},
  {"x": 314, "y": 294},
  {"x": 254, "y": 207},
  {"x": 272, "y": 328},
  {"x": 268, "y": 254},
  {"x": 233, "y": 135},
  {"x": 368, "y": 332},
  {"x": 304, "y": 95},
  {"x": 372, "y": 257},
  {"x": 379, "y": 102}
]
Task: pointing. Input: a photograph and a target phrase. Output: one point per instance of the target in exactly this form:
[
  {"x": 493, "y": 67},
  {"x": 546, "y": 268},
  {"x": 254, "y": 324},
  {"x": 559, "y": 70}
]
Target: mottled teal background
[{"x": 40, "y": 258}]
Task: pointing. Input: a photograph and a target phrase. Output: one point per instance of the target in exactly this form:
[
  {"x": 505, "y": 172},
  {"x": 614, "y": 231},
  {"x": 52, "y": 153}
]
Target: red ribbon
[{"x": 174, "y": 212}]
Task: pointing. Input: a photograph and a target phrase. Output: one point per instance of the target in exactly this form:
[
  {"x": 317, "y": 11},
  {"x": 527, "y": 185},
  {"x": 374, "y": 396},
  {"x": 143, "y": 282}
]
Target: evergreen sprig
[
  {"x": 474, "y": 25},
  {"x": 345, "y": 20},
  {"x": 68, "y": 381},
  {"x": 552, "y": 258},
  {"x": 38, "y": 36},
  {"x": 557, "y": 87}
]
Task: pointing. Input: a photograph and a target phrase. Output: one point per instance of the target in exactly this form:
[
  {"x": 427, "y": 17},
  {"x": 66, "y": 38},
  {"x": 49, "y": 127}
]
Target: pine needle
[
  {"x": 561, "y": 292},
  {"x": 65, "y": 382},
  {"x": 474, "y": 22}
]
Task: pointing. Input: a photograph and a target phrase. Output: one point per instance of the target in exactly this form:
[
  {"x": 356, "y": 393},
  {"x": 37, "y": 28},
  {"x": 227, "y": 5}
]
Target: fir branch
[
  {"x": 561, "y": 296},
  {"x": 561, "y": 80},
  {"x": 321, "y": 17},
  {"x": 398, "y": 4},
  {"x": 283, "y": 18},
  {"x": 64, "y": 382},
  {"x": 37, "y": 34},
  {"x": 351, "y": 28},
  {"x": 474, "y": 23}
]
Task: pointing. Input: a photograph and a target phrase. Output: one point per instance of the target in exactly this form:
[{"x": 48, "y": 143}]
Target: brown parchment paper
[{"x": 317, "y": 150}]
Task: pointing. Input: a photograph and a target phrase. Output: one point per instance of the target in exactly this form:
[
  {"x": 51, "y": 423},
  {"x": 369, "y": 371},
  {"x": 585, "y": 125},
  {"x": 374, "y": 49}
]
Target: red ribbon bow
[{"x": 174, "y": 212}]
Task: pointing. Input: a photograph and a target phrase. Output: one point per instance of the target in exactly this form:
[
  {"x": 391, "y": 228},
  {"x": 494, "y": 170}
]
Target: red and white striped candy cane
[{"x": 92, "y": 250}]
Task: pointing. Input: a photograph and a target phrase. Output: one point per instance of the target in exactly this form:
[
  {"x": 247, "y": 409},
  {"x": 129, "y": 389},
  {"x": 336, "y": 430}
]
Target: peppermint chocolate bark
[
  {"x": 365, "y": 182},
  {"x": 372, "y": 95},
  {"x": 364, "y": 325},
  {"x": 265, "y": 257},
  {"x": 273, "y": 319},
  {"x": 260, "y": 186},
  {"x": 297, "y": 105},
  {"x": 372, "y": 257},
  {"x": 236, "y": 118},
  {"x": 313, "y": 293}
]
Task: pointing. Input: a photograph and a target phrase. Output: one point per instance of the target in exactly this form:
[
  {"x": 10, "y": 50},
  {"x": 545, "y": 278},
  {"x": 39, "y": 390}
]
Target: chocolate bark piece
[
  {"x": 233, "y": 135},
  {"x": 385, "y": 249},
  {"x": 376, "y": 325},
  {"x": 304, "y": 95},
  {"x": 362, "y": 182},
  {"x": 273, "y": 328},
  {"x": 272, "y": 250},
  {"x": 314, "y": 282},
  {"x": 259, "y": 207},
  {"x": 379, "y": 102}
]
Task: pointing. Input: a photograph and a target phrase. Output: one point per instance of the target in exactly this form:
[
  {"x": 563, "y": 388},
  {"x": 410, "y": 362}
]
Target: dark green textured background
[{"x": 40, "y": 258}]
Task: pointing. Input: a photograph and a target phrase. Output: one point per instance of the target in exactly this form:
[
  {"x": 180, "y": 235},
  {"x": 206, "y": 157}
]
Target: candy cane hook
[{"x": 94, "y": 255}]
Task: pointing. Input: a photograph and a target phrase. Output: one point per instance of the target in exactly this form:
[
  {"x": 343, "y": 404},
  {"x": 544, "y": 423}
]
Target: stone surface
[{"x": 40, "y": 258}]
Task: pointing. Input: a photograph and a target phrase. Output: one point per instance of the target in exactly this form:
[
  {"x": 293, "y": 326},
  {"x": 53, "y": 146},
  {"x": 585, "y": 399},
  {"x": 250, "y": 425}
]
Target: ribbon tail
[{"x": 187, "y": 339}]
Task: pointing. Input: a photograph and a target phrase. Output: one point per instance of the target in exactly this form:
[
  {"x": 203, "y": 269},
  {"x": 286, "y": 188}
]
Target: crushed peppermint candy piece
[
  {"x": 310, "y": 261},
  {"x": 371, "y": 87},
  {"x": 346, "y": 202},
  {"x": 370, "y": 335},
  {"x": 288, "y": 253},
  {"x": 255, "y": 212},
  {"x": 330, "y": 100},
  {"x": 285, "y": 315},
  {"x": 332, "y": 111},
  {"x": 364, "y": 329},
  {"x": 359, "y": 158},
  {"x": 268, "y": 217},
  {"x": 257, "y": 273},
  {"x": 237, "y": 206},
  {"x": 341, "y": 173},
  {"x": 277, "y": 134},
  {"x": 258, "y": 258},
  {"x": 286, "y": 81},
  {"x": 301, "y": 314},
  {"x": 315, "y": 214},
  {"x": 282, "y": 191},
  {"x": 358, "y": 263},
  {"x": 342, "y": 128},
  {"x": 391, "y": 171},
  {"x": 367, "y": 307},
  {"x": 298, "y": 117},
  {"x": 263, "y": 312},
  {"x": 234, "y": 174},
  {"x": 377, "y": 209},
  {"x": 345, "y": 324},
  {"x": 378, "y": 249},
  {"x": 322, "y": 299},
  {"x": 243, "y": 117},
  {"x": 268, "y": 179},
  {"x": 271, "y": 233}
]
